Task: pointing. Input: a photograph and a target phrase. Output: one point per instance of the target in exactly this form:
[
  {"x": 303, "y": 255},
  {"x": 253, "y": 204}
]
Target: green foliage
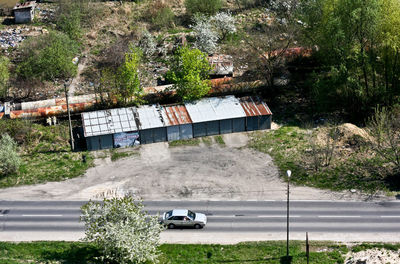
[
  {"x": 45, "y": 154},
  {"x": 4, "y": 75},
  {"x": 128, "y": 76},
  {"x": 48, "y": 57},
  {"x": 359, "y": 47},
  {"x": 116, "y": 155},
  {"x": 189, "y": 71},
  {"x": 69, "y": 20},
  {"x": 163, "y": 18},
  {"x": 220, "y": 140},
  {"x": 207, "y": 7},
  {"x": 121, "y": 229},
  {"x": 9, "y": 158}
]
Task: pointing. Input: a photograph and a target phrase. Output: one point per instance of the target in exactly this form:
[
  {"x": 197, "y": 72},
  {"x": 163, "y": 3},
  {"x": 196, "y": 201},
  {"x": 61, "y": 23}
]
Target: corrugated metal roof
[
  {"x": 149, "y": 117},
  {"x": 175, "y": 115},
  {"x": 215, "y": 108},
  {"x": 254, "y": 106},
  {"x": 110, "y": 121}
]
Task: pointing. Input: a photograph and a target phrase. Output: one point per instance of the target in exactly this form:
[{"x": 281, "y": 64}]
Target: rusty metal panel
[
  {"x": 175, "y": 115},
  {"x": 254, "y": 106}
]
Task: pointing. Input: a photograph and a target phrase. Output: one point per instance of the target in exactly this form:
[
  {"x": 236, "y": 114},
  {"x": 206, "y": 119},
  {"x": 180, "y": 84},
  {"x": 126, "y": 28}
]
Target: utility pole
[
  {"x": 288, "y": 172},
  {"x": 69, "y": 116}
]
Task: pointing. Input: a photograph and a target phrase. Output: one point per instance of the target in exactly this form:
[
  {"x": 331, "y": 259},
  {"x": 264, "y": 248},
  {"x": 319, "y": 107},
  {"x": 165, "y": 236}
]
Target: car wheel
[
  {"x": 197, "y": 226},
  {"x": 171, "y": 226}
]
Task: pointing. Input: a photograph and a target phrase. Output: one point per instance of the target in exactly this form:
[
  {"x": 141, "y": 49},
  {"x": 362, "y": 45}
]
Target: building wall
[
  {"x": 199, "y": 129},
  {"x": 99, "y": 142},
  {"x": 23, "y": 16},
  {"x": 258, "y": 122},
  {"x": 153, "y": 135}
]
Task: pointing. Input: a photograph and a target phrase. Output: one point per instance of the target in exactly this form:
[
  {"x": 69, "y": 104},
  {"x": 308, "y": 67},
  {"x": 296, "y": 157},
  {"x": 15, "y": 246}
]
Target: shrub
[
  {"x": 189, "y": 71},
  {"x": 4, "y": 75},
  {"x": 147, "y": 44},
  {"x": 122, "y": 230},
  {"x": 48, "y": 57},
  {"x": 208, "y": 7},
  {"x": 206, "y": 36},
  {"x": 69, "y": 19},
  {"x": 224, "y": 23},
  {"x": 161, "y": 15},
  {"x": 9, "y": 158}
]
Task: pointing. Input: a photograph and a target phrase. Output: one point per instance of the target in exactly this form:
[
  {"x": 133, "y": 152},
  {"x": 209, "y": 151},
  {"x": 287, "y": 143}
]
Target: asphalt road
[{"x": 228, "y": 221}]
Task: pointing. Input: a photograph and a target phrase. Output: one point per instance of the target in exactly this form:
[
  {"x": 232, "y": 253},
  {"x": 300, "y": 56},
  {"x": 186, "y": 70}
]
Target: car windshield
[
  {"x": 191, "y": 215},
  {"x": 168, "y": 214}
]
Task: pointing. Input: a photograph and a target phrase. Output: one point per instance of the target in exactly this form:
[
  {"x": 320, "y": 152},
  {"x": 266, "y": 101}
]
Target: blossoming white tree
[{"x": 122, "y": 230}]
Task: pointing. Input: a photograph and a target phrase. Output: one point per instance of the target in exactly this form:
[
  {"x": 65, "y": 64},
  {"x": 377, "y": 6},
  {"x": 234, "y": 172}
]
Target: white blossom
[
  {"x": 206, "y": 36},
  {"x": 147, "y": 44},
  {"x": 224, "y": 22},
  {"x": 123, "y": 231}
]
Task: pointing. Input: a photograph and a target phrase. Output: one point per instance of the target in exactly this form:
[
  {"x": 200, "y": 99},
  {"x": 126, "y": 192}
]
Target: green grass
[
  {"x": 250, "y": 252},
  {"x": 45, "y": 154},
  {"x": 207, "y": 141},
  {"x": 116, "y": 155},
  {"x": 219, "y": 140},
  {"x": 290, "y": 149},
  {"x": 186, "y": 142}
]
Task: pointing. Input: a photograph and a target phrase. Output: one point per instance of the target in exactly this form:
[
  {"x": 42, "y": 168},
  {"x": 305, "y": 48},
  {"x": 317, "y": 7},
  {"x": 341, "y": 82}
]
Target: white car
[{"x": 184, "y": 218}]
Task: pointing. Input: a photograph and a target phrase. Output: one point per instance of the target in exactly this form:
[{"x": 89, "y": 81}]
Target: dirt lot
[{"x": 230, "y": 172}]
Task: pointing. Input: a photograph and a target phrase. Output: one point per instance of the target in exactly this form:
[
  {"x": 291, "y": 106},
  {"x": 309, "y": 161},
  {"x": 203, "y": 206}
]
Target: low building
[
  {"x": 24, "y": 12},
  {"x": 222, "y": 65},
  {"x": 258, "y": 114},
  {"x": 151, "y": 125},
  {"x": 177, "y": 121},
  {"x": 110, "y": 128},
  {"x": 216, "y": 115}
]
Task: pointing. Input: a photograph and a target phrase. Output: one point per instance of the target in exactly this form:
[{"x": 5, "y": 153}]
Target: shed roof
[
  {"x": 149, "y": 117},
  {"x": 29, "y": 4},
  {"x": 254, "y": 106},
  {"x": 175, "y": 115},
  {"x": 110, "y": 121},
  {"x": 215, "y": 108}
]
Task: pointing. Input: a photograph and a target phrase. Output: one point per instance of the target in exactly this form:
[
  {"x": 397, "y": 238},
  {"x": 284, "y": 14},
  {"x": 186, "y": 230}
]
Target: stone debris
[
  {"x": 11, "y": 38},
  {"x": 374, "y": 256}
]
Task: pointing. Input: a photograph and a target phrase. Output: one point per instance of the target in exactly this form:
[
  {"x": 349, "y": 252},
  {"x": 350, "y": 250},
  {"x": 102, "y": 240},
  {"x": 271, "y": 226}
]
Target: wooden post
[{"x": 307, "y": 249}]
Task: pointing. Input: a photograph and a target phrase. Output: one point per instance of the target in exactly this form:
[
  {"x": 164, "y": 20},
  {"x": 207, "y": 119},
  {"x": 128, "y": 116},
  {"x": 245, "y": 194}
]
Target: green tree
[
  {"x": 128, "y": 82},
  {"x": 207, "y": 7},
  {"x": 48, "y": 57},
  {"x": 189, "y": 71},
  {"x": 9, "y": 158},
  {"x": 122, "y": 230},
  {"x": 4, "y": 75}
]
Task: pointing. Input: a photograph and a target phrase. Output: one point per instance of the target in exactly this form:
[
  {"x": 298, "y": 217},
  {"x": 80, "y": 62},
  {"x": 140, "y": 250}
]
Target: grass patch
[
  {"x": 45, "y": 153},
  {"x": 185, "y": 142},
  {"x": 116, "y": 155},
  {"x": 219, "y": 139},
  {"x": 291, "y": 150},
  {"x": 250, "y": 252},
  {"x": 207, "y": 141}
]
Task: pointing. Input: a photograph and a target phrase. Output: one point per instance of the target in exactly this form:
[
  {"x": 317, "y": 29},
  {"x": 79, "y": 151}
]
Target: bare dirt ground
[{"x": 160, "y": 172}]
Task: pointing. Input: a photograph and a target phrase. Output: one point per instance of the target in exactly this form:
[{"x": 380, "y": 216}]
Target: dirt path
[{"x": 161, "y": 172}]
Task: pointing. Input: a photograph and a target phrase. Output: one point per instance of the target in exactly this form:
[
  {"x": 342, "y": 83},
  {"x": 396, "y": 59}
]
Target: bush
[
  {"x": 206, "y": 36},
  {"x": 4, "y": 75},
  {"x": 208, "y": 7},
  {"x": 147, "y": 44},
  {"x": 122, "y": 230},
  {"x": 161, "y": 15},
  {"x": 189, "y": 71},
  {"x": 48, "y": 57},
  {"x": 224, "y": 23},
  {"x": 9, "y": 158}
]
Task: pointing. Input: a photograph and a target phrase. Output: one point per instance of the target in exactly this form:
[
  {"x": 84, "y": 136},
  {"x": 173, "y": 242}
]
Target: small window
[{"x": 179, "y": 218}]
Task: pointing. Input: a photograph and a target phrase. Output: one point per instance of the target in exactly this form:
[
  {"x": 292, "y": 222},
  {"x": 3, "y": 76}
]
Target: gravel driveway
[{"x": 160, "y": 172}]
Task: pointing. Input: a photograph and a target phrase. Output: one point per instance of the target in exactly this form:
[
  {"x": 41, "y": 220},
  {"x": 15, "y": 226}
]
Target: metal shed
[
  {"x": 151, "y": 124},
  {"x": 258, "y": 114},
  {"x": 177, "y": 121},
  {"x": 216, "y": 115},
  {"x": 110, "y": 128}
]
